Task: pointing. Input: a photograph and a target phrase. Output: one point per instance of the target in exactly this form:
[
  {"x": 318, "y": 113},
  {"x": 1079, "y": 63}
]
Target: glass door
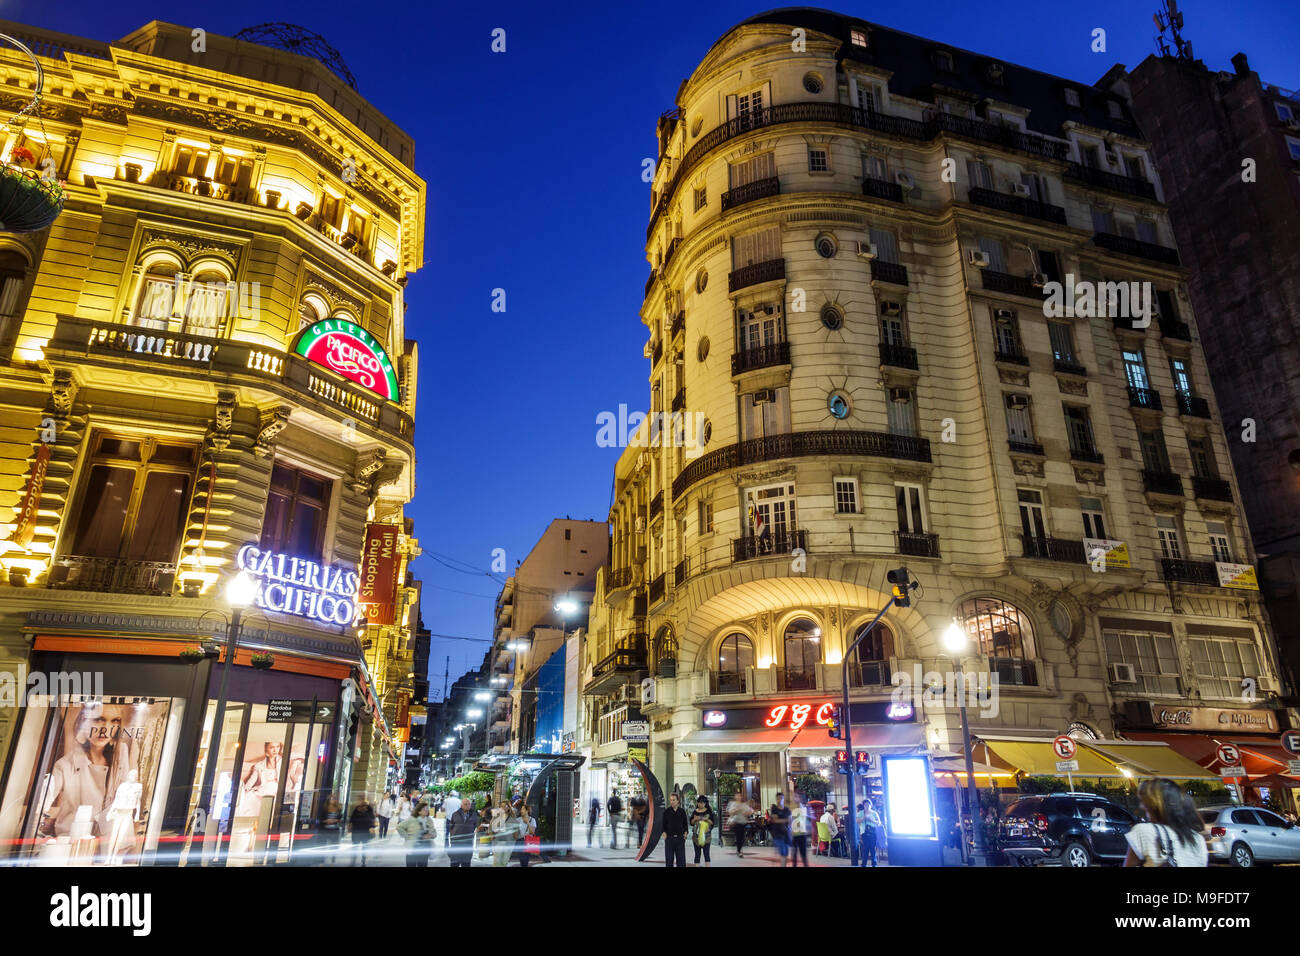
[{"x": 207, "y": 824}]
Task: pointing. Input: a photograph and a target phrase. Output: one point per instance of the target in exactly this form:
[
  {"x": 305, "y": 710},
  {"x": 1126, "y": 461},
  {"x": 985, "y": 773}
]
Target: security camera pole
[{"x": 898, "y": 577}]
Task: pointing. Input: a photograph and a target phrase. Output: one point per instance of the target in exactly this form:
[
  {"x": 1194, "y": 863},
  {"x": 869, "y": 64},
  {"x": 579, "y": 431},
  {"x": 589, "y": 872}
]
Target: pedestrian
[
  {"x": 833, "y": 827},
  {"x": 614, "y": 807},
  {"x": 640, "y": 814},
  {"x": 331, "y": 828},
  {"x": 417, "y": 830},
  {"x": 1173, "y": 834},
  {"x": 593, "y": 817},
  {"x": 449, "y": 806},
  {"x": 779, "y": 826},
  {"x": 527, "y": 843},
  {"x": 483, "y": 832},
  {"x": 868, "y": 820},
  {"x": 703, "y": 822},
  {"x": 675, "y": 826},
  {"x": 799, "y": 828},
  {"x": 460, "y": 827},
  {"x": 405, "y": 806},
  {"x": 504, "y": 829},
  {"x": 384, "y": 813},
  {"x": 738, "y": 816},
  {"x": 362, "y": 822}
]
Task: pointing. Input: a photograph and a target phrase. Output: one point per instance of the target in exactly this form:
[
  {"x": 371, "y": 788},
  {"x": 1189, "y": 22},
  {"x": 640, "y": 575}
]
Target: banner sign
[
  {"x": 30, "y": 505},
  {"x": 1116, "y": 551},
  {"x": 353, "y": 352},
  {"x": 1240, "y": 576},
  {"x": 379, "y": 567},
  {"x": 1214, "y": 719},
  {"x": 403, "y": 710}
]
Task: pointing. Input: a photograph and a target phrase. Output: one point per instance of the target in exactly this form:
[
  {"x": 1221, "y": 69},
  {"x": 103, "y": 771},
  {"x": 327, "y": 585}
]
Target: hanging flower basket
[
  {"x": 29, "y": 199},
  {"x": 192, "y": 655},
  {"x": 262, "y": 662}
]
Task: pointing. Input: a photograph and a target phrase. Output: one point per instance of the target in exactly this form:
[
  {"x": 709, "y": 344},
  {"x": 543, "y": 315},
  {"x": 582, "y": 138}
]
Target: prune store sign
[
  {"x": 301, "y": 587},
  {"x": 352, "y": 352}
]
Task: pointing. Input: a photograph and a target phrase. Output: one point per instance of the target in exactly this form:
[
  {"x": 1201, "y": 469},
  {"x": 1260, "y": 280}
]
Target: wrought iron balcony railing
[
  {"x": 898, "y": 356},
  {"x": 657, "y": 589},
  {"x": 1189, "y": 572},
  {"x": 1014, "y": 671},
  {"x": 892, "y": 272},
  {"x": 1162, "y": 483},
  {"x": 656, "y": 505},
  {"x": 1139, "y": 397},
  {"x": 762, "y": 356},
  {"x": 774, "y": 542},
  {"x": 1012, "y": 285},
  {"x": 1026, "y": 447},
  {"x": 1020, "y": 205},
  {"x": 1175, "y": 329},
  {"x": 1086, "y": 453},
  {"x": 869, "y": 674},
  {"x": 1011, "y": 355},
  {"x": 112, "y": 575},
  {"x": 1211, "y": 489},
  {"x": 1102, "y": 179},
  {"x": 1136, "y": 247},
  {"x": 1069, "y": 368},
  {"x": 746, "y": 276},
  {"x": 679, "y": 323},
  {"x": 880, "y": 189},
  {"x": 759, "y": 189},
  {"x": 917, "y": 544},
  {"x": 1192, "y": 405},
  {"x": 1053, "y": 549}
]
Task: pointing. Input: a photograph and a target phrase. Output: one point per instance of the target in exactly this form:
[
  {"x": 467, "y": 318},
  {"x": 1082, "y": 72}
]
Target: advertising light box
[{"x": 909, "y": 802}]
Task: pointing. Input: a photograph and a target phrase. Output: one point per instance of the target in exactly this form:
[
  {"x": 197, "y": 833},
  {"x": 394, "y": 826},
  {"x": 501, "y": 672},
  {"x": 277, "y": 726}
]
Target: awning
[
  {"x": 1149, "y": 759},
  {"x": 1266, "y": 751},
  {"x": 878, "y": 738},
  {"x": 1259, "y": 758},
  {"x": 759, "y": 740},
  {"x": 1036, "y": 756}
]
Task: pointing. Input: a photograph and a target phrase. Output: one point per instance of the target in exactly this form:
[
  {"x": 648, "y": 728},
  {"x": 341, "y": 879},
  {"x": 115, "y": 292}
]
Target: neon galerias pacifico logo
[
  {"x": 354, "y": 353},
  {"x": 301, "y": 587}
]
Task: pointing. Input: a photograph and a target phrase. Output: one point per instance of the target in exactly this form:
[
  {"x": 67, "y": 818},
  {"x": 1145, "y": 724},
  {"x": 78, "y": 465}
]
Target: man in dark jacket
[
  {"x": 675, "y": 826},
  {"x": 593, "y": 817},
  {"x": 614, "y": 808},
  {"x": 640, "y": 812},
  {"x": 461, "y": 826},
  {"x": 362, "y": 821}
]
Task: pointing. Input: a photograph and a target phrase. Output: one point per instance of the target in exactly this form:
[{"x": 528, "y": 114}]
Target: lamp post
[
  {"x": 239, "y": 594},
  {"x": 955, "y": 641}
]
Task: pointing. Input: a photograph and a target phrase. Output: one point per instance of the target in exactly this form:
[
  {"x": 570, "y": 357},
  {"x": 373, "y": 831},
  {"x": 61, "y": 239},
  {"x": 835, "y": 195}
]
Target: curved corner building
[{"x": 852, "y": 231}]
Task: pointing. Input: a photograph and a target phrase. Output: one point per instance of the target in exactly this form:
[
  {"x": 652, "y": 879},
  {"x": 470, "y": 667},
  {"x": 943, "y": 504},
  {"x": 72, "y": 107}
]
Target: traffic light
[
  {"x": 863, "y": 762},
  {"x": 834, "y": 725},
  {"x": 842, "y": 761},
  {"x": 898, "y": 577}
]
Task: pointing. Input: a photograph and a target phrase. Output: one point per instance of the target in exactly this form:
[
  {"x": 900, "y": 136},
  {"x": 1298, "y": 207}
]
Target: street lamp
[
  {"x": 955, "y": 641},
  {"x": 567, "y": 606},
  {"x": 474, "y": 712},
  {"x": 482, "y": 695}
]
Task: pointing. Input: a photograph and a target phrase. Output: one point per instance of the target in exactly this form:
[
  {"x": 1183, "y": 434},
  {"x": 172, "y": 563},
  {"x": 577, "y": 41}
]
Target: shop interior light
[
  {"x": 955, "y": 638},
  {"x": 241, "y": 590}
]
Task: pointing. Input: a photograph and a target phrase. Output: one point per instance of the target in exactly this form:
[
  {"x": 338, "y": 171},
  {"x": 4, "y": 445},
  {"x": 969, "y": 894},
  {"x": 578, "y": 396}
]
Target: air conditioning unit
[
  {"x": 1122, "y": 674},
  {"x": 866, "y": 250},
  {"x": 1020, "y": 189},
  {"x": 900, "y": 396},
  {"x": 1017, "y": 401},
  {"x": 1003, "y": 315},
  {"x": 979, "y": 258},
  {"x": 891, "y": 309},
  {"x": 1038, "y": 279},
  {"x": 764, "y": 395}
]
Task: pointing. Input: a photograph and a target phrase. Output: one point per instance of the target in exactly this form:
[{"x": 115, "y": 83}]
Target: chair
[{"x": 823, "y": 838}]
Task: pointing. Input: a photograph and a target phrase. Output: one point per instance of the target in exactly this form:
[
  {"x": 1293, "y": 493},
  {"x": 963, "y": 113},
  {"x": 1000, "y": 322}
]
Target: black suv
[{"x": 1069, "y": 829}]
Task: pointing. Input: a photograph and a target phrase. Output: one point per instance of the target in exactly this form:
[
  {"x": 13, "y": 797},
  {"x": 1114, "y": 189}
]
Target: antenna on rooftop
[{"x": 1169, "y": 19}]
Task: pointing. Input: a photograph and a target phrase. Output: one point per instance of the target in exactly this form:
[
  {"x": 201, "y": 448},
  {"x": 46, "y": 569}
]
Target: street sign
[
  {"x": 1064, "y": 747},
  {"x": 1291, "y": 742},
  {"x": 1228, "y": 754},
  {"x": 636, "y": 731},
  {"x": 1293, "y": 767},
  {"x": 279, "y": 711},
  {"x": 1232, "y": 773},
  {"x": 282, "y": 711},
  {"x": 1067, "y": 766}
]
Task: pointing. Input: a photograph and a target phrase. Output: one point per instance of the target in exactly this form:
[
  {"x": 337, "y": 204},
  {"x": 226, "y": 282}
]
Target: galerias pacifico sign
[
  {"x": 354, "y": 353},
  {"x": 30, "y": 505},
  {"x": 377, "y": 592}
]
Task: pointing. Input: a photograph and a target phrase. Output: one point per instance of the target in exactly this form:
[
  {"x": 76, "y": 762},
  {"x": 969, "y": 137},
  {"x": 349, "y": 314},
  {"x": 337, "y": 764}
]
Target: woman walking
[
  {"x": 504, "y": 828},
  {"x": 417, "y": 830},
  {"x": 799, "y": 828},
  {"x": 331, "y": 826},
  {"x": 527, "y": 830},
  {"x": 1173, "y": 834},
  {"x": 703, "y": 822}
]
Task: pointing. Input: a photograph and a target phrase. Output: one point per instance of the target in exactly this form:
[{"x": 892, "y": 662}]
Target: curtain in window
[
  {"x": 103, "y": 512},
  {"x": 161, "y": 518}
]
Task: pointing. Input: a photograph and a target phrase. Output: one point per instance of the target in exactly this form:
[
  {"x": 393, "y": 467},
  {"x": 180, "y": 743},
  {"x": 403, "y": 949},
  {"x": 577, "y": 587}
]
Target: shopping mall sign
[
  {"x": 352, "y": 352},
  {"x": 301, "y": 587},
  {"x": 379, "y": 572}
]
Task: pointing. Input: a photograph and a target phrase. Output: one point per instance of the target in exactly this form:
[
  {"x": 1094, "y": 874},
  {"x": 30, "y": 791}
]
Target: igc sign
[
  {"x": 351, "y": 351},
  {"x": 301, "y": 587}
]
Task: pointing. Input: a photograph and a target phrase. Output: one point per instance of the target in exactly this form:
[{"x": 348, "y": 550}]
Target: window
[
  {"x": 901, "y": 411},
  {"x": 1020, "y": 424},
  {"x": 1220, "y": 541},
  {"x": 1090, "y": 155},
  {"x": 701, "y": 198},
  {"x": 749, "y": 108},
  {"x": 1131, "y": 165},
  {"x": 752, "y": 170},
  {"x": 358, "y": 225},
  {"x": 1202, "y": 458},
  {"x": 190, "y": 161},
  {"x": 858, "y": 37},
  {"x": 817, "y": 161},
  {"x": 832, "y": 318},
  {"x": 1166, "y": 306},
  {"x": 297, "y": 506},
  {"x": 992, "y": 248},
  {"x": 1171, "y": 546},
  {"x": 837, "y": 403},
  {"x": 312, "y": 310},
  {"x": 1061, "y": 335},
  {"x": 803, "y": 650},
  {"x": 702, "y": 283},
  {"x": 1037, "y": 186},
  {"x": 910, "y": 504},
  {"x": 1283, "y": 111},
  {"x": 158, "y": 294},
  {"x": 893, "y": 331},
  {"x": 1116, "y": 109},
  {"x": 1094, "y": 519},
  {"x": 1151, "y": 655},
  {"x": 886, "y": 244},
  {"x": 705, "y": 515},
  {"x": 997, "y": 628},
  {"x": 134, "y": 499},
  {"x": 868, "y": 96},
  {"x": 1182, "y": 376},
  {"x": 943, "y": 61},
  {"x": 1078, "y": 425},
  {"x": 1006, "y": 333},
  {"x": 756, "y": 247},
  {"x": 980, "y": 177},
  {"x": 211, "y": 299},
  {"x": 826, "y": 246},
  {"x": 1071, "y": 97},
  {"x": 1135, "y": 369},
  {"x": 874, "y": 167},
  {"x": 1102, "y": 221},
  {"x": 812, "y": 83},
  {"x": 873, "y": 653},
  {"x": 1220, "y": 664},
  {"x": 771, "y": 513},
  {"x": 664, "y": 650},
  {"x": 1146, "y": 230},
  {"x": 1048, "y": 264},
  {"x": 1155, "y": 457},
  {"x": 1033, "y": 522},
  {"x": 1293, "y": 147},
  {"x": 331, "y": 209},
  {"x": 13, "y": 277},
  {"x": 235, "y": 171},
  {"x": 757, "y": 329},
  {"x": 735, "y": 657},
  {"x": 846, "y": 496}
]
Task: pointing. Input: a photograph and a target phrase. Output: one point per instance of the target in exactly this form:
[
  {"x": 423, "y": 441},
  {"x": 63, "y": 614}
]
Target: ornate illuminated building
[
  {"x": 852, "y": 232},
  {"x": 204, "y": 369}
]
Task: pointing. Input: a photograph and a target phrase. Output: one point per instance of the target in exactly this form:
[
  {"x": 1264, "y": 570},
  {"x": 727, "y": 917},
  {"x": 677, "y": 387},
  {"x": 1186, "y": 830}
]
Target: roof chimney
[{"x": 1240, "y": 65}]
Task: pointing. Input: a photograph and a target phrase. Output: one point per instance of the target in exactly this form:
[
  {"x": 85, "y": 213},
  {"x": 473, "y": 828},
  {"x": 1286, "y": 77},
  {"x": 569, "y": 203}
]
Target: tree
[{"x": 813, "y": 786}]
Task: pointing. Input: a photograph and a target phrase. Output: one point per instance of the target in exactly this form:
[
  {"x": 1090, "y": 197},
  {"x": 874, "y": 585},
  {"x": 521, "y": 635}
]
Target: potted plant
[
  {"x": 133, "y": 171},
  {"x": 29, "y": 202},
  {"x": 813, "y": 786},
  {"x": 262, "y": 661},
  {"x": 192, "y": 654}
]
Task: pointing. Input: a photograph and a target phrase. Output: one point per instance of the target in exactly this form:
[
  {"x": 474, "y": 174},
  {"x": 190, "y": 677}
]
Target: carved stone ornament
[
  {"x": 1027, "y": 466},
  {"x": 1010, "y": 376},
  {"x": 1072, "y": 386},
  {"x": 388, "y": 474},
  {"x": 368, "y": 464},
  {"x": 1080, "y": 708},
  {"x": 272, "y": 423},
  {"x": 223, "y": 421},
  {"x": 193, "y": 246},
  {"x": 334, "y": 295},
  {"x": 63, "y": 391},
  {"x": 1085, "y": 474},
  {"x": 761, "y": 477}
]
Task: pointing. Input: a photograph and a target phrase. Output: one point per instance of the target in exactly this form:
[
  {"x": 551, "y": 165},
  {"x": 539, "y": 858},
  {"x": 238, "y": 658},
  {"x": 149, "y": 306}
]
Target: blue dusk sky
[{"x": 533, "y": 159}]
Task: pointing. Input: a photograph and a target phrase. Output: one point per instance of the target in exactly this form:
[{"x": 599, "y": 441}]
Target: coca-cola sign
[
  {"x": 1215, "y": 719},
  {"x": 351, "y": 351}
]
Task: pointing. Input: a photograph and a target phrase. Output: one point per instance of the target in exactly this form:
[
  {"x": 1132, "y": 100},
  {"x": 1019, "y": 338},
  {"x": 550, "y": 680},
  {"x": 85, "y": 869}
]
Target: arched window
[
  {"x": 803, "y": 649},
  {"x": 1002, "y": 632},
  {"x": 312, "y": 310},
  {"x": 209, "y": 301},
  {"x": 735, "y": 655},
  {"x": 157, "y": 301},
  {"x": 665, "y": 653},
  {"x": 871, "y": 666}
]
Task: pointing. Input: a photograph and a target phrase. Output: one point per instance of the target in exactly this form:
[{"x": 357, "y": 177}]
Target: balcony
[
  {"x": 1102, "y": 179},
  {"x": 679, "y": 400},
  {"x": 727, "y": 682},
  {"x": 618, "y": 668},
  {"x": 1191, "y": 405},
  {"x": 1069, "y": 368},
  {"x": 1012, "y": 355},
  {"x": 997, "y": 134},
  {"x": 869, "y": 674},
  {"x": 671, "y": 250},
  {"x": 879, "y": 189},
  {"x": 1088, "y": 454},
  {"x": 1014, "y": 671},
  {"x": 112, "y": 575},
  {"x": 1190, "y": 572},
  {"x": 788, "y": 679},
  {"x": 802, "y": 445},
  {"x": 891, "y": 272},
  {"x": 1020, "y": 205},
  {"x": 1147, "y": 398},
  {"x": 679, "y": 324},
  {"x": 1211, "y": 489},
  {"x": 639, "y": 604},
  {"x": 1026, "y": 447},
  {"x": 650, "y": 283},
  {"x": 656, "y": 505},
  {"x": 618, "y": 579},
  {"x": 916, "y": 544},
  {"x": 774, "y": 542},
  {"x": 679, "y": 574},
  {"x": 762, "y": 356},
  {"x": 657, "y": 588},
  {"x": 1136, "y": 247},
  {"x": 745, "y": 276},
  {"x": 759, "y": 189},
  {"x": 1052, "y": 549},
  {"x": 1162, "y": 483},
  {"x": 656, "y": 353},
  {"x": 1175, "y": 329},
  {"x": 1129, "y": 323},
  {"x": 1011, "y": 285},
  {"x": 898, "y": 356}
]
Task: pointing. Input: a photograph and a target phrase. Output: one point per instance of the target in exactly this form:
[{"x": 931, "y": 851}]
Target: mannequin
[{"x": 123, "y": 815}]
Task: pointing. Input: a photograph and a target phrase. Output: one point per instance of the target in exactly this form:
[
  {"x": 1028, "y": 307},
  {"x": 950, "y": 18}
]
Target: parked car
[
  {"x": 1244, "y": 836},
  {"x": 1066, "y": 829}
]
